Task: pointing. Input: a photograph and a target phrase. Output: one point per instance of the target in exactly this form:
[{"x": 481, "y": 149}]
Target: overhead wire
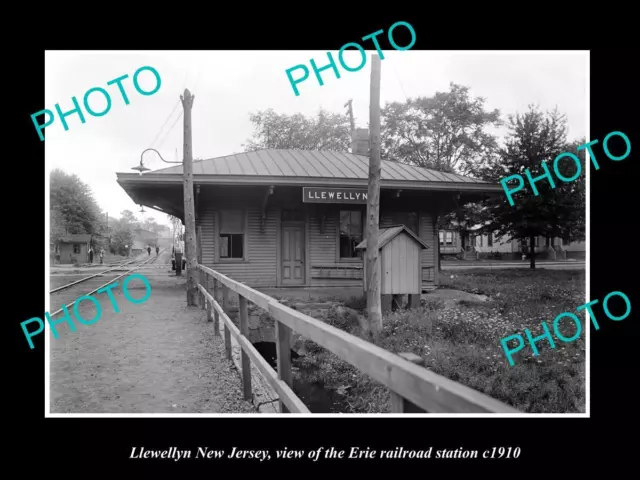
[
  {"x": 165, "y": 122},
  {"x": 170, "y": 129},
  {"x": 186, "y": 79}
]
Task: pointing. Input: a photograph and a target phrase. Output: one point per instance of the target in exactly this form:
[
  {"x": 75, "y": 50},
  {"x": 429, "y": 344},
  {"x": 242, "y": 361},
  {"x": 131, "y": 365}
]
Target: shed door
[{"x": 293, "y": 255}]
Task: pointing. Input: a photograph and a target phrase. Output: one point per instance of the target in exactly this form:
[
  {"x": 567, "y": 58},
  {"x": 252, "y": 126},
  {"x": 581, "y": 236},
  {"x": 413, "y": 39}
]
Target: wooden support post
[
  {"x": 283, "y": 350},
  {"x": 414, "y": 300},
  {"x": 402, "y": 405},
  {"x": 216, "y": 317},
  {"x": 386, "y": 303},
  {"x": 227, "y": 333},
  {"x": 246, "y": 363},
  {"x": 189, "y": 213},
  {"x": 225, "y": 299},
  {"x": 199, "y": 276},
  {"x": 374, "y": 308},
  {"x": 208, "y": 304}
]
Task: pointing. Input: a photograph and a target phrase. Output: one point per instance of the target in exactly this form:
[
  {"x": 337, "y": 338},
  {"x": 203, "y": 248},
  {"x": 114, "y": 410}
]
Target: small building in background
[
  {"x": 142, "y": 239},
  {"x": 73, "y": 249},
  {"x": 482, "y": 245}
]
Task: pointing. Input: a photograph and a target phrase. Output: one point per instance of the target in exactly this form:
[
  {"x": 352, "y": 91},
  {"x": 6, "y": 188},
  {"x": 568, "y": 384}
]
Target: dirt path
[{"x": 157, "y": 357}]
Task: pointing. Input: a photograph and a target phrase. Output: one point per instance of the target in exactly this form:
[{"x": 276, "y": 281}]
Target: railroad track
[{"x": 68, "y": 293}]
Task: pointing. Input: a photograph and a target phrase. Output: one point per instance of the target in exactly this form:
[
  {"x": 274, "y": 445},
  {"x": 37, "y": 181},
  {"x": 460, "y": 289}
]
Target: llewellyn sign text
[{"x": 333, "y": 195}]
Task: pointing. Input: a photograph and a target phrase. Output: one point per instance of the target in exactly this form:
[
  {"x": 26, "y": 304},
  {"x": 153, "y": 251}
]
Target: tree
[
  {"x": 176, "y": 227},
  {"x": 446, "y": 132},
  {"x": 122, "y": 232},
  {"x": 535, "y": 137},
  {"x": 571, "y": 196},
  {"x": 325, "y": 131},
  {"x": 129, "y": 219},
  {"x": 121, "y": 241},
  {"x": 153, "y": 226},
  {"x": 73, "y": 208}
]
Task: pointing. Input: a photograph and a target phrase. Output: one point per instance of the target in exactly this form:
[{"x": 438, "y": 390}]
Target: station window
[
  {"x": 441, "y": 237},
  {"x": 448, "y": 238},
  {"x": 232, "y": 234},
  {"x": 490, "y": 239},
  {"x": 350, "y": 234},
  {"x": 76, "y": 248}
]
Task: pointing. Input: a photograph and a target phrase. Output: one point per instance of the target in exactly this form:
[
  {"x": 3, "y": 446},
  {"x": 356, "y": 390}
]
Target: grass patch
[{"x": 462, "y": 342}]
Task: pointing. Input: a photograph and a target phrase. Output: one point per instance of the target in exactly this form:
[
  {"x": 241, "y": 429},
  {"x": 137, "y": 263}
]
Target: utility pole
[
  {"x": 352, "y": 122},
  {"x": 374, "y": 308},
  {"x": 189, "y": 214}
]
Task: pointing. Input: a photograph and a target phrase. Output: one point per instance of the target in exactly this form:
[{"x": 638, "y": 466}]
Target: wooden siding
[
  {"x": 400, "y": 266},
  {"x": 259, "y": 267},
  {"x": 326, "y": 270}
]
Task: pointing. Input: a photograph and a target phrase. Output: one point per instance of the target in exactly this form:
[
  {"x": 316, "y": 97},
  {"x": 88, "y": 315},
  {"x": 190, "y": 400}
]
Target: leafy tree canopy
[
  {"x": 535, "y": 137},
  {"x": 325, "y": 131},
  {"x": 446, "y": 132},
  {"x": 73, "y": 208}
]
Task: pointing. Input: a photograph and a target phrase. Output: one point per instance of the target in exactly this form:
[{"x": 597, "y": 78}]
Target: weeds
[{"x": 462, "y": 342}]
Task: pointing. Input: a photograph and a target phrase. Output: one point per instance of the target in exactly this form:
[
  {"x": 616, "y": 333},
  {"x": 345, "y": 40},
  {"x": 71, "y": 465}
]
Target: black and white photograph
[{"x": 269, "y": 233}]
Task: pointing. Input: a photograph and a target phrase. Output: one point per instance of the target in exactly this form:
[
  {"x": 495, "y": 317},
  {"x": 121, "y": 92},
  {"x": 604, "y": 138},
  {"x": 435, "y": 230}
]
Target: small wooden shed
[
  {"x": 400, "y": 257},
  {"x": 73, "y": 248}
]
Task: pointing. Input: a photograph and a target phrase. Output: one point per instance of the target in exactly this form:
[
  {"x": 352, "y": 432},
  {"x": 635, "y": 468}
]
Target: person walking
[
  {"x": 157, "y": 250},
  {"x": 178, "y": 255},
  {"x": 90, "y": 255},
  {"x": 149, "y": 250},
  {"x": 101, "y": 256}
]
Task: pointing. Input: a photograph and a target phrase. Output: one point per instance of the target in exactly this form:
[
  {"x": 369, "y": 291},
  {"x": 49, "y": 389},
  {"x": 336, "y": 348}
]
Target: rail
[
  {"x": 414, "y": 389},
  {"x": 69, "y": 305}
]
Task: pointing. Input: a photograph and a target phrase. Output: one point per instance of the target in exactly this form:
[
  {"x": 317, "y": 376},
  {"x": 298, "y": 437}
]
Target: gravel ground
[{"x": 157, "y": 357}]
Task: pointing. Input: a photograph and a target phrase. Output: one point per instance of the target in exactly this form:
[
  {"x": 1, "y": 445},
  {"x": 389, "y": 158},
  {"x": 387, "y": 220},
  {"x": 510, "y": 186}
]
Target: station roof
[
  {"x": 75, "y": 238},
  {"x": 307, "y": 167}
]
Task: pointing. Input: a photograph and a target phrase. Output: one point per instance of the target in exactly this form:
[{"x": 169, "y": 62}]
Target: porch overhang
[{"x": 164, "y": 191}]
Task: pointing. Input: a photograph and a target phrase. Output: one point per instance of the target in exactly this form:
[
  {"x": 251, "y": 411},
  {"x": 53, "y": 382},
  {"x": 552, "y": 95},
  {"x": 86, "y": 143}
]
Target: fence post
[
  {"x": 216, "y": 317},
  {"x": 203, "y": 282},
  {"x": 400, "y": 404},
  {"x": 244, "y": 331},
  {"x": 227, "y": 333},
  {"x": 283, "y": 350},
  {"x": 208, "y": 304}
]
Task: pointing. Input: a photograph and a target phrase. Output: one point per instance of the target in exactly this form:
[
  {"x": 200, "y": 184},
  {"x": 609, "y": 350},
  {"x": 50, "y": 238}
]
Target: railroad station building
[{"x": 287, "y": 218}]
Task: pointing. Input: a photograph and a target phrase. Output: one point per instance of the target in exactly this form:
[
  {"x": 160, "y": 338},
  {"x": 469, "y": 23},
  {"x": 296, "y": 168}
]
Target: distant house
[
  {"x": 73, "y": 249},
  {"x": 487, "y": 245},
  {"x": 142, "y": 239}
]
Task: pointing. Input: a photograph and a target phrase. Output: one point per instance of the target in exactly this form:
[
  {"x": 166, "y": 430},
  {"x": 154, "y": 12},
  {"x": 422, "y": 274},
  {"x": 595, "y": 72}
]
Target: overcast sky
[{"x": 228, "y": 85}]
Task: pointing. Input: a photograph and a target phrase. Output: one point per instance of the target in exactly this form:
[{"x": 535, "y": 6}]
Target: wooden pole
[
  {"x": 189, "y": 214},
  {"x": 374, "y": 308}
]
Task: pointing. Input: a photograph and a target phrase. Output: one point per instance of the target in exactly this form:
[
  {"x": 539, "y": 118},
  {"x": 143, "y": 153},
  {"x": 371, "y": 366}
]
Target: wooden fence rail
[{"x": 413, "y": 388}]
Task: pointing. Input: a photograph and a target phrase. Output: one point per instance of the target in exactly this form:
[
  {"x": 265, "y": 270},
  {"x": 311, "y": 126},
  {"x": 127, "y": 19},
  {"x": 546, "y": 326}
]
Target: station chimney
[{"x": 360, "y": 142}]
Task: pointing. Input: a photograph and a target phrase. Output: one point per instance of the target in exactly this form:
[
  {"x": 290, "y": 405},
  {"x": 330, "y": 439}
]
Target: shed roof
[
  {"x": 307, "y": 167},
  {"x": 385, "y": 235},
  {"x": 75, "y": 238}
]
